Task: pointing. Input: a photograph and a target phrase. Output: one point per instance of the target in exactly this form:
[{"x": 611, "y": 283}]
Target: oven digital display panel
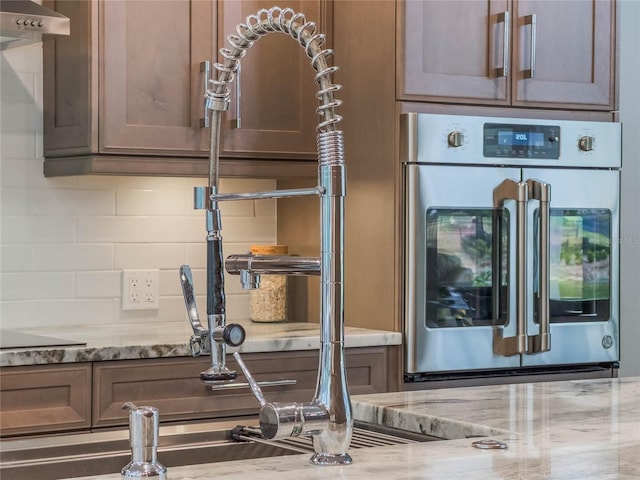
[{"x": 521, "y": 141}]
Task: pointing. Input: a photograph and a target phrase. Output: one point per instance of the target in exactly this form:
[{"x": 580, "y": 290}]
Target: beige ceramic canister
[{"x": 269, "y": 300}]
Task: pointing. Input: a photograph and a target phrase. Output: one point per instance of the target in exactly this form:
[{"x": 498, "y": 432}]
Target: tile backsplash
[{"x": 65, "y": 241}]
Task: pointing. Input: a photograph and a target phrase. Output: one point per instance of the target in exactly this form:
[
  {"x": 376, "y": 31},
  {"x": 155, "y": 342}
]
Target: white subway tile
[
  {"x": 75, "y": 312},
  {"x": 76, "y": 257},
  {"x": 246, "y": 185},
  {"x": 18, "y": 314},
  {"x": 16, "y": 258},
  {"x": 98, "y": 284},
  {"x": 170, "y": 281},
  {"x": 18, "y": 88},
  {"x": 81, "y": 201},
  {"x": 162, "y": 256},
  {"x": 126, "y": 317},
  {"x": 16, "y": 145},
  {"x": 150, "y": 202},
  {"x": 25, "y": 173},
  {"x": 61, "y": 201},
  {"x": 14, "y": 201},
  {"x": 27, "y": 58},
  {"x": 250, "y": 230},
  {"x": 240, "y": 208},
  {"x": 238, "y": 308},
  {"x": 54, "y": 229},
  {"x": 172, "y": 310},
  {"x": 41, "y": 285},
  {"x": 107, "y": 229},
  {"x": 176, "y": 229},
  {"x": 21, "y": 117},
  {"x": 190, "y": 211},
  {"x": 196, "y": 254}
]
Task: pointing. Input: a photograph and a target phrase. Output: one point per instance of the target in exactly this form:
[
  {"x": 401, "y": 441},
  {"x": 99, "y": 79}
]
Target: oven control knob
[
  {"x": 586, "y": 143},
  {"x": 455, "y": 139}
]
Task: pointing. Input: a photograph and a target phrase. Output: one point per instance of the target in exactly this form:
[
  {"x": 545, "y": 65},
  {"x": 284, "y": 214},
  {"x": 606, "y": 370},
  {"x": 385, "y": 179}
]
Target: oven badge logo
[{"x": 607, "y": 341}]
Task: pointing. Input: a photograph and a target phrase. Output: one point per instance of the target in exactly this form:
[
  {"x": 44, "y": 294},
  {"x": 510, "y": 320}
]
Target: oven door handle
[
  {"x": 541, "y": 191},
  {"x": 514, "y": 190}
]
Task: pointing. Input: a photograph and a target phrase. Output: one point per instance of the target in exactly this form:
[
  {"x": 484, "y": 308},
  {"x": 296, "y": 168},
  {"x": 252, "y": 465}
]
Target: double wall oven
[{"x": 511, "y": 253}]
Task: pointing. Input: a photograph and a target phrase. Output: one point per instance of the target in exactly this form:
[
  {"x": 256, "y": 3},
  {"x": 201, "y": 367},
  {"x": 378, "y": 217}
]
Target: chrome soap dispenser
[{"x": 144, "y": 425}]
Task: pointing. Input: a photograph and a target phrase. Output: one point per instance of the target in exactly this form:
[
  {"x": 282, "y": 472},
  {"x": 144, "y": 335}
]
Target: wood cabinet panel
[
  {"x": 174, "y": 387},
  {"x": 124, "y": 93},
  {"x": 574, "y": 59},
  {"x": 127, "y": 79},
  {"x": 70, "y": 82},
  {"x": 456, "y": 51},
  {"x": 276, "y": 113},
  {"x": 452, "y": 50},
  {"x": 52, "y": 398},
  {"x": 150, "y": 54}
]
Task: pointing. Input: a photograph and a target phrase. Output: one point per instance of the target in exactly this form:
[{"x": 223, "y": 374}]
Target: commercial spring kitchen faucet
[{"x": 327, "y": 417}]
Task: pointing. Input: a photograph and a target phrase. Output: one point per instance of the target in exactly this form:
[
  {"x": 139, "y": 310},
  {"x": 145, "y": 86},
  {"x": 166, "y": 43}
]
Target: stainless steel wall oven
[{"x": 511, "y": 253}]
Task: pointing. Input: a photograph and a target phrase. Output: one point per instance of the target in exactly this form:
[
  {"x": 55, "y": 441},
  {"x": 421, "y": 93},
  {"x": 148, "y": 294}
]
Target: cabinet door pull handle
[
  {"x": 205, "y": 68},
  {"x": 237, "y": 123},
  {"x": 514, "y": 190},
  {"x": 505, "y": 18},
  {"x": 541, "y": 191},
  {"x": 531, "y": 20}
]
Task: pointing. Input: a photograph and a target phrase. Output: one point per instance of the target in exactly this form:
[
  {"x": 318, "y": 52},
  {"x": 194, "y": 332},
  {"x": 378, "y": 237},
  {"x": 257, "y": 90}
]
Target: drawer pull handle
[{"x": 267, "y": 383}]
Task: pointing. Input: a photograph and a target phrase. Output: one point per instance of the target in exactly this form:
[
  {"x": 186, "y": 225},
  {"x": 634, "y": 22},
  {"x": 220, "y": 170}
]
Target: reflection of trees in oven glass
[
  {"x": 468, "y": 238},
  {"x": 580, "y": 254},
  {"x": 459, "y": 288}
]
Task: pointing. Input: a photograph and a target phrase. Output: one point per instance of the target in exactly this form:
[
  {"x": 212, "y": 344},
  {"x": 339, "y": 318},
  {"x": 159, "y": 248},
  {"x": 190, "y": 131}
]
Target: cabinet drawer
[
  {"x": 50, "y": 398},
  {"x": 174, "y": 387}
]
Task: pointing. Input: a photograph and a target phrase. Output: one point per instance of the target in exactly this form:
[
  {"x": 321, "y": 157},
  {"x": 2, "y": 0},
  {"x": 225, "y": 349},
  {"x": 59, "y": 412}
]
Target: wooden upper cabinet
[
  {"x": 273, "y": 99},
  {"x": 573, "y": 42},
  {"x": 452, "y": 51},
  {"x": 124, "y": 93},
  {"x": 480, "y": 52},
  {"x": 127, "y": 79},
  {"x": 153, "y": 92}
]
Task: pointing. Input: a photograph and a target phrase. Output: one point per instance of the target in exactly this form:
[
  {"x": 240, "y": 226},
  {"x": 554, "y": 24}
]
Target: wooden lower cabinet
[
  {"x": 61, "y": 398},
  {"x": 173, "y": 385},
  {"x": 43, "y": 399}
]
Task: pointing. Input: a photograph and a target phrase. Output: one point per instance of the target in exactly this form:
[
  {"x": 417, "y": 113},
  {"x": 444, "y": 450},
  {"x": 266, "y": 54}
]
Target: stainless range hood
[{"x": 23, "y": 22}]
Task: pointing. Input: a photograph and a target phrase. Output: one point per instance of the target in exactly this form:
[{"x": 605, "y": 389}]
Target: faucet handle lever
[
  {"x": 255, "y": 389},
  {"x": 186, "y": 280},
  {"x": 198, "y": 345}
]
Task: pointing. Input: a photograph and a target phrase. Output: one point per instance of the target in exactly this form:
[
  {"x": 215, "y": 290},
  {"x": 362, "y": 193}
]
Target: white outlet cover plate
[{"x": 140, "y": 289}]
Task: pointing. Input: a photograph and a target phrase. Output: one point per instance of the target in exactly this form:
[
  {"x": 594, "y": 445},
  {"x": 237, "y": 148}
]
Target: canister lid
[{"x": 269, "y": 249}]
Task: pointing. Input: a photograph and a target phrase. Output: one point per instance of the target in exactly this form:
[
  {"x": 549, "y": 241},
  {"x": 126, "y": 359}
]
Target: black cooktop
[{"x": 10, "y": 339}]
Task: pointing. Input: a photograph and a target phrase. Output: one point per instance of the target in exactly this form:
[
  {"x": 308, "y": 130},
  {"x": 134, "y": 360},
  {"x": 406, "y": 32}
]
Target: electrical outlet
[{"x": 140, "y": 289}]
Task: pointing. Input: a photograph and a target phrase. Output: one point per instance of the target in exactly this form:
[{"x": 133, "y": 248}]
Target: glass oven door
[
  {"x": 583, "y": 267},
  {"x": 450, "y": 258}
]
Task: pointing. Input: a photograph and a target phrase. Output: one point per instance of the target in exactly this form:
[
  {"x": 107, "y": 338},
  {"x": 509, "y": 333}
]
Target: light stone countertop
[
  {"x": 585, "y": 429},
  {"x": 135, "y": 341}
]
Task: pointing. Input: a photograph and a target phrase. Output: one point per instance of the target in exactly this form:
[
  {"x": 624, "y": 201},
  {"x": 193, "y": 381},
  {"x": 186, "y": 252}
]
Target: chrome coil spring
[
  {"x": 287, "y": 21},
  {"x": 330, "y": 148}
]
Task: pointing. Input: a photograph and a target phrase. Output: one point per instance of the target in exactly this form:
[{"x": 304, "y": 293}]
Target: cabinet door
[
  {"x": 572, "y": 46},
  {"x": 275, "y": 116},
  {"x": 152, "y": 98},
  {"x": 453, "y": 51},
  {"x": 45, "y": 398}
]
